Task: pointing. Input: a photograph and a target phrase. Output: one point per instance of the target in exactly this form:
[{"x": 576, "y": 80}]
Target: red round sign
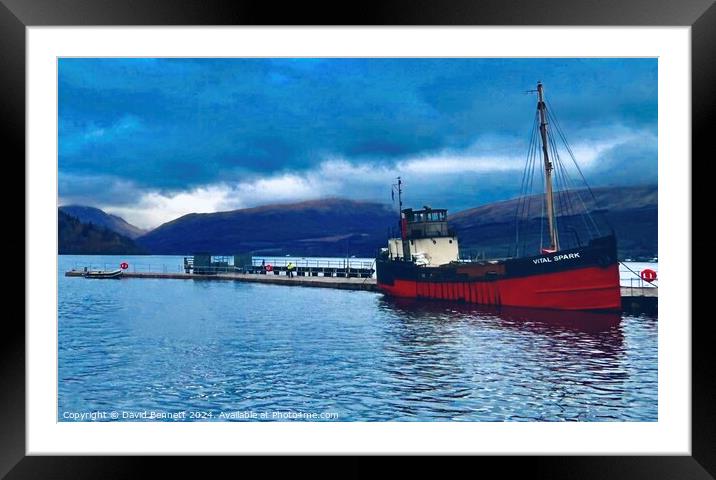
[
  {"x": 124, "y": 265},
  {"x": 269, "y": 267},
  {"x": 648, "y": 275}
]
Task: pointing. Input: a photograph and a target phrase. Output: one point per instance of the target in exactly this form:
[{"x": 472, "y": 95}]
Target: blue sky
[{"x": 153, "y": 139}]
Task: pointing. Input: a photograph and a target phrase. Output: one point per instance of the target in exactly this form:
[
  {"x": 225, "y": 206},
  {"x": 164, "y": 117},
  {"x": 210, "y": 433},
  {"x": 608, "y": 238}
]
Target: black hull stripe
[{"x": 600, "y": 252}]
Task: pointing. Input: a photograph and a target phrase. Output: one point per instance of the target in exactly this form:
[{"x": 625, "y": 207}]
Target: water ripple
[{"x": 177, "y": 346}]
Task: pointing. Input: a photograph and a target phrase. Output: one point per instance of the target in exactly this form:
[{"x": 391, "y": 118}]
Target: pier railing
[
  {"x": 133, "y": 267},
  {"x": 637, "y": 283},
  {"x": 308, "y": 268},
  {"x": 631, "y": 278},
  {"x": 314, "y": 262}
]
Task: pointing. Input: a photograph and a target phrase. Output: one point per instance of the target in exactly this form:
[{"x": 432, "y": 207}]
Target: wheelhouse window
[{"x": 426, "y": 216}]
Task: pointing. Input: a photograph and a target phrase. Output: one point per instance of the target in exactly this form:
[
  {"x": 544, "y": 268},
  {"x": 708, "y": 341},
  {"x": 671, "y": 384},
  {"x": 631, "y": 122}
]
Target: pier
[
  {"x": 343, "y": 283},
  {"x": 635, "y": 299},
  {"x": 640, "y": 299}
]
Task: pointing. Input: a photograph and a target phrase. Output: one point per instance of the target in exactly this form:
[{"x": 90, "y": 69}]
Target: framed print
[{"x": 202, "y": 169}]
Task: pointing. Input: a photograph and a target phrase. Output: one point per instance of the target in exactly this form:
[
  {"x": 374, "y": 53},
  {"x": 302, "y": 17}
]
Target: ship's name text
[{"x": 557, "y": 258}]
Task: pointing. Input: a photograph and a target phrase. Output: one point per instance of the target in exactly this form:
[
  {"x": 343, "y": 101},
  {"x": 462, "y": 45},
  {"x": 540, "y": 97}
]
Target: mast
[{"x": 549, "y": 197}]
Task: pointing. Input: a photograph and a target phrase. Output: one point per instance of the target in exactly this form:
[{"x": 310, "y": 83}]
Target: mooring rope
[{"x": 371, "y": 267}]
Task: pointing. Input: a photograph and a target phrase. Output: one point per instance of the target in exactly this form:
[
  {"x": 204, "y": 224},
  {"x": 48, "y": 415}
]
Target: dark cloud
[
  {"x": 175, "y": 124},
  {"x": 633, "y": 162}
]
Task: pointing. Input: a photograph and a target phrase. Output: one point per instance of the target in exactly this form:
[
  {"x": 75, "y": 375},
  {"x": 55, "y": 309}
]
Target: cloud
[
  {"x": 451, "y": 164},
  {"x": 154, "y": 208},
  {"x": 77, "y": 138},
  {"x": 95, "y": 190},
  {"x": 184, "y": 123},
  {"x": 153, "y": 139},
  {"x": 454, "y": 179},
  {"x": 634, "y": 160}
]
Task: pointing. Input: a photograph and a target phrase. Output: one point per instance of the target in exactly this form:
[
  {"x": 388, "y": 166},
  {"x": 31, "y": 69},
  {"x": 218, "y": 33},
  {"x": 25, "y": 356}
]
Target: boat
[
  {"x": 568, "y": 272},
  {"x": 103, "y": 274}
]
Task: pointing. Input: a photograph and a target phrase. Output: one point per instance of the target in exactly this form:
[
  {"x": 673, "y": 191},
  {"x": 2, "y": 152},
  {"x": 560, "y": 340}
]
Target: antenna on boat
[
  {"x": 549, "y": 196},
  {"x": 398, "y": 187}
]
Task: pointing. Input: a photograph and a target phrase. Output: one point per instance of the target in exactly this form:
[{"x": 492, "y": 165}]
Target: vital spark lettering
[{"x": 557, "y": 258}]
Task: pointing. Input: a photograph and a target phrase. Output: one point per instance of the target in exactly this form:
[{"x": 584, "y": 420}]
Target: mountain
[
  {"x": 76, "y": 237},
  {"x": 338, "y": 227},
  {"x": 99, "y": 217},
  {"x": 490, "y": 230},
  {"x": 328, "y": 227}
]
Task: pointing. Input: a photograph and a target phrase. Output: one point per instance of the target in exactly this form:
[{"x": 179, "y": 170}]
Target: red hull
[{"x": 588, "y": 288}]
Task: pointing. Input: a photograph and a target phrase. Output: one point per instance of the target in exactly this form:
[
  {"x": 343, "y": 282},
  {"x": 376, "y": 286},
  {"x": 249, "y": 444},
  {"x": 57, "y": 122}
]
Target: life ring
[
  {"x": 648, "y": 275},
  {"x": 124, "y": 265},
  {"x": 269, "y": 267}
]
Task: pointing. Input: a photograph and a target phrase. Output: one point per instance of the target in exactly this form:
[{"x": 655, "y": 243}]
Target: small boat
[{"x": 103, "y": 274}]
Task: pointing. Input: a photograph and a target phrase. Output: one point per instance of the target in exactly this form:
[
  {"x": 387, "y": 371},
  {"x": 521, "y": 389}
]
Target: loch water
[{"x": 182, "y": 350}]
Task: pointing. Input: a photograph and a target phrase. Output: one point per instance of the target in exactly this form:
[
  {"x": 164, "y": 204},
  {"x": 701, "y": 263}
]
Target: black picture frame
[{"x": 16, "y": 15}]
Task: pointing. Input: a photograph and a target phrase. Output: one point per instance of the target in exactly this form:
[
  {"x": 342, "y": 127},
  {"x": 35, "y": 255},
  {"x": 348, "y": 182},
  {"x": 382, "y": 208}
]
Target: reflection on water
[
  {"x": 523, "y": 317},
  {"x": 172, "y": 346},
  {"x": 519, "y": 364}
]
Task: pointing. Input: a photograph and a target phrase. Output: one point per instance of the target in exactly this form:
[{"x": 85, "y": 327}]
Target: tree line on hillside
[{"x": 75, "y": 237}]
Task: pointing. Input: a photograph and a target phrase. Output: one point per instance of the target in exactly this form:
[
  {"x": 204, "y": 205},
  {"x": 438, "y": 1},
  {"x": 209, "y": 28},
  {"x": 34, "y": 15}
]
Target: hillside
[
  {"x": 338, "y": 227},
  {"x": 98, "y": 217},
  {"x": 329, "y": 227},
  {"x": 75, "y": 237}
]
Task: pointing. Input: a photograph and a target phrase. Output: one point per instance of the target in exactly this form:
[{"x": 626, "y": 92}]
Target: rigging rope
[
  {"x": 571, "y": 153},
  {"x": 567, "y": 198},
  {"x": 553, "y": 119},
  {"x": 525, "y": 186},
  {"x": 568, "y": 184}
]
